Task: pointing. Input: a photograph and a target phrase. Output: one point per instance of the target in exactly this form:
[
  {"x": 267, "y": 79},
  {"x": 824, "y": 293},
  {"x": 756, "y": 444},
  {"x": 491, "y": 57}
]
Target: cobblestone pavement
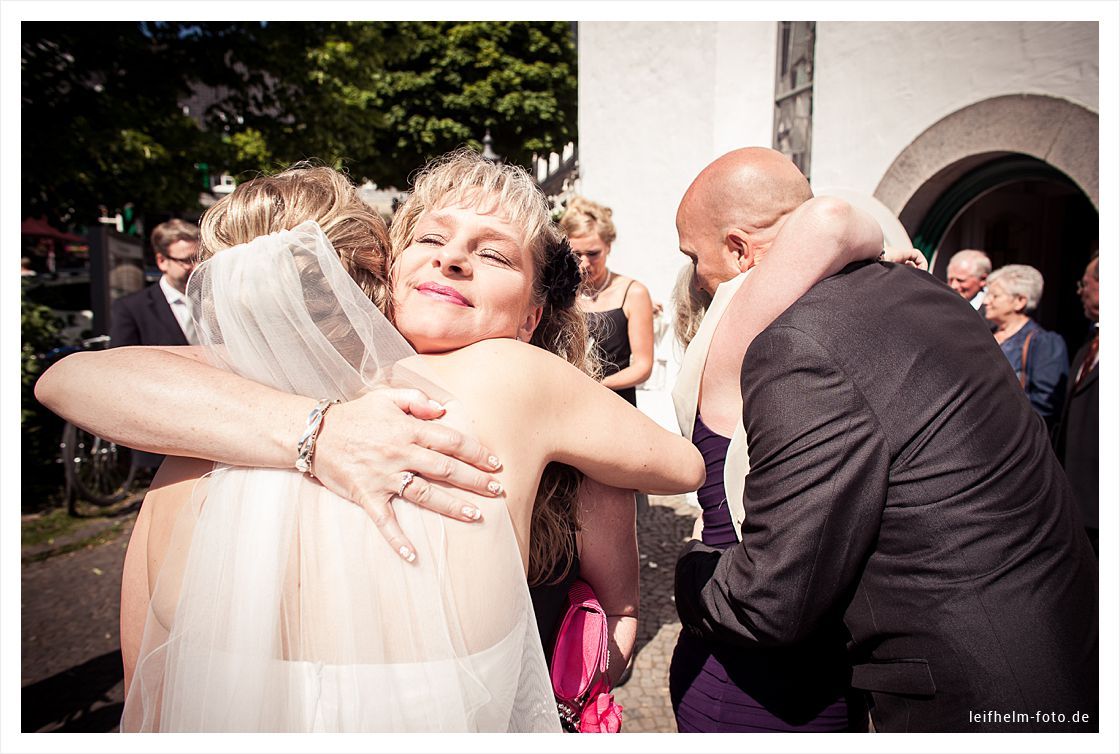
[
  {"x": 71, "y": 664},
  {"x": 71, "y": 667},
  {"x": 662, "y": 529}
]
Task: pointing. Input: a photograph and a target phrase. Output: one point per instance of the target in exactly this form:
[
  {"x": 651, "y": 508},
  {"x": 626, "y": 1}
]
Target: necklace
[{"x": 593, "y": 295}]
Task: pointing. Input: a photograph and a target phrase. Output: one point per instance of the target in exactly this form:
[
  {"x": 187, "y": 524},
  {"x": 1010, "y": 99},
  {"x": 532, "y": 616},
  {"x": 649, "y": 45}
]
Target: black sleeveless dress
[{"x": 610, "y": 334}]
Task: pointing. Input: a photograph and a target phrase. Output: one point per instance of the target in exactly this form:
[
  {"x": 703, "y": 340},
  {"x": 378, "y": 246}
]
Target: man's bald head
[
  {"x": 751, "y": 188},
  {"x": 734, "y": 209}
]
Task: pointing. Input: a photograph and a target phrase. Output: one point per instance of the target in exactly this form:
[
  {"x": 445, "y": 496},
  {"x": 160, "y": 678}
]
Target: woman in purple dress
[{"x": 717, "y": 688}]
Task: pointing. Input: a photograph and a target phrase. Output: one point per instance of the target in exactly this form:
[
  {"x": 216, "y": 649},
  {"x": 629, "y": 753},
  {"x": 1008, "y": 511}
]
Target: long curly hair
[
  {"x": 464, "y": 178},
  {"x": 690, "y": 304}
]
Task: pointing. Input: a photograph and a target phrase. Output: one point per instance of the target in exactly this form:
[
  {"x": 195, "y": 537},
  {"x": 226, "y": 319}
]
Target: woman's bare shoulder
[
  {"x": 520, "y": 373},
  {"x": 498, "y": 356},
  {"x": 636, "y": 292}
]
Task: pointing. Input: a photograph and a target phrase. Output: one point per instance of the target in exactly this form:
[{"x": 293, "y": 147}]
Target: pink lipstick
[{"x": 435, "y": 290}]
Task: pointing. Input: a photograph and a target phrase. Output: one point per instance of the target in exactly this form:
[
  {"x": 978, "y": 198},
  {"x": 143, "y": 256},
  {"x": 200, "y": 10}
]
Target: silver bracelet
[{"x": 305, "y": 447}]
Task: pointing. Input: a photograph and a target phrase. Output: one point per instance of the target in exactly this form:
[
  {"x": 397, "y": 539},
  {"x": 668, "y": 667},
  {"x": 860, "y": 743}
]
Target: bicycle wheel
[{"x": 97, "y": 470}]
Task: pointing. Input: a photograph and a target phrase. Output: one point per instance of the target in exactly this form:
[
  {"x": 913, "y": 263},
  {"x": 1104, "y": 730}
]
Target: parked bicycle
[{"x": 96, "y": 470}]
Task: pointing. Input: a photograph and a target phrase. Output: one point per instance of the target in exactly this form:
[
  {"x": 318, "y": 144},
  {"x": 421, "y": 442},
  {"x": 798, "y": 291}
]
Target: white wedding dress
[{"x": 280, "y": 607}]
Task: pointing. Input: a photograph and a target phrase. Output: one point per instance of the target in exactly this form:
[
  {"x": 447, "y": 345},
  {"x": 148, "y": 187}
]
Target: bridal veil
[{"x": 280, "y": 607}]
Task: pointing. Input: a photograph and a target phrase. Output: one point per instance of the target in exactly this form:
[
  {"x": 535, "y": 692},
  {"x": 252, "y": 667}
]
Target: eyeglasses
[{"x": 188, "y": 262}]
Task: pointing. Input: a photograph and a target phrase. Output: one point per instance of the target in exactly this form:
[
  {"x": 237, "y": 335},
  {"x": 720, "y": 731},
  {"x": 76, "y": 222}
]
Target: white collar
[{"x": 173, "y": 296}]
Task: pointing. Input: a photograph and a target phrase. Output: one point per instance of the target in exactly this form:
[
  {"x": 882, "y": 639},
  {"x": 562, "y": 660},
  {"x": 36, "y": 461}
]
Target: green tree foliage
[
  {"x": 39, "y": 330},
  {"x": 40, "y": 430},
  {"x": 447, "y": 83},
  {"x": 103, "y": 122}
]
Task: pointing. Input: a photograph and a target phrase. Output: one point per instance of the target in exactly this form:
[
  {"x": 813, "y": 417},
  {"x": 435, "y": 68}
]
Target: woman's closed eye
[
  {"x": 431, "y": 238},
  {"x": 495, "y": 256}
]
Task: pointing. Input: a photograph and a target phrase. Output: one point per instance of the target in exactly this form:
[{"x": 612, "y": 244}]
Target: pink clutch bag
[{"x": 579, "y": 666}]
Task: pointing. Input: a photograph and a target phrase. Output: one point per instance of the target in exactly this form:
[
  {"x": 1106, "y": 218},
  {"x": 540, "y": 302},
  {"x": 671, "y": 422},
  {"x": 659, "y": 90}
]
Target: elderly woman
[{"x": 1038, "y": 356}]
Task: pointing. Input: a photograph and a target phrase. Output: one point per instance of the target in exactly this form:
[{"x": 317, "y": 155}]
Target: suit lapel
[
  {"x": 161, "y": 310},
  {"x": 1090, "y": 379}
]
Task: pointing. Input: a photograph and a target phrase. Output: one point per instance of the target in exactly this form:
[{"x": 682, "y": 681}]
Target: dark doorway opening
[{"x": 1020, "y": 210}]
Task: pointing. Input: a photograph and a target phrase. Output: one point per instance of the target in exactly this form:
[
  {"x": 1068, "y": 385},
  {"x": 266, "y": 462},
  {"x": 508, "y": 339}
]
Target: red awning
[{"x": 39, "y": 228}]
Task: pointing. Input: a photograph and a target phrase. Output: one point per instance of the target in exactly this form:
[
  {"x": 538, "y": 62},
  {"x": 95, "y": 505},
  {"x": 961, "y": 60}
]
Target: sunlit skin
[
  {"x": 962, "y": 280},
  {"x": 610, "y": 291},
  {"x": 464, "y": 273},
  {"x": 178, "y": 263},
  {"x": 592, "y": 252},
  {"x": 714, "y": 261}
]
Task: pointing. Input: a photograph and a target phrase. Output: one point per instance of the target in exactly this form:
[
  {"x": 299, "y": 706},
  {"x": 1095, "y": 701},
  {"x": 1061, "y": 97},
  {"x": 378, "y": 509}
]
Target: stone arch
[{"x": 1056, "y": 131}]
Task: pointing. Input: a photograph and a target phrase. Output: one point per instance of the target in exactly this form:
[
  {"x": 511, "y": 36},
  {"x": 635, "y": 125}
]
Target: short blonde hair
[
  {"x": 1020, "y": 280},
  {"x": 269, "y": 204},
  {"x": 583, "y": 217}
]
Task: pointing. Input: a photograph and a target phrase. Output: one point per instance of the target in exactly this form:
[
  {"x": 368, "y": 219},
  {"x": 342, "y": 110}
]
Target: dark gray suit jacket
[
  {"x": 900, "y": 479},
  {"x": 1078, "y": 438},
  {"x": 144, "y": 318}
]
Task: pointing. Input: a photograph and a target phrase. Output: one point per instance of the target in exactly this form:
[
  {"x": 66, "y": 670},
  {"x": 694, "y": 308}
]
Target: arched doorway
[
  {"x": 1015, "y": 175},
  {"x": 1019, "y": 210}
]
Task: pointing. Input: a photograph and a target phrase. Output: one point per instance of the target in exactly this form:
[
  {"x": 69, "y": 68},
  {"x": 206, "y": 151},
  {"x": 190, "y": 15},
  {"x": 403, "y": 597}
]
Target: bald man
[{"x": 898, "y": 480}]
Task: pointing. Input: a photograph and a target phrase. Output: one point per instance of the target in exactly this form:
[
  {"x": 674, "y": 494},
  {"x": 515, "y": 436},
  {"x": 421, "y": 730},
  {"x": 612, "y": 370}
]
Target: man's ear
[{"x": 740, "y": 245}]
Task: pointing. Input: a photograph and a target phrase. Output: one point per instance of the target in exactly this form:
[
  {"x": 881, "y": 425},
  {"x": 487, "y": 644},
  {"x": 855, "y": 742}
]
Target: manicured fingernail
[
  {"x": 472, "y": 513},
  {"x": 494, "y": 462},
  {"x": 407, "y": 554},
  {"x": 435, "y": 405},
  {"x": 494, "y": 487}
]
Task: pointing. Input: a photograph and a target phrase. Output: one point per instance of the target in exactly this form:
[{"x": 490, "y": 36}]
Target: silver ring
[{"x": 406, "y": 479}]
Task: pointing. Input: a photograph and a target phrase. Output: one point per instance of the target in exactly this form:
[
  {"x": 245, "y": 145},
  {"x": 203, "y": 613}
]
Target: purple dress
[{"x": 725, "y": 688}]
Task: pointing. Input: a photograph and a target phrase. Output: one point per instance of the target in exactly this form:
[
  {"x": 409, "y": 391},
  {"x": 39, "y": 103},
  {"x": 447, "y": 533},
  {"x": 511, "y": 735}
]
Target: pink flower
[{"x": 601, "y": 715}]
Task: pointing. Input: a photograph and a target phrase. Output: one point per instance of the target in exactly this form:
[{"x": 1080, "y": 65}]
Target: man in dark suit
[
  {"x": 1077, "y": 436},
  {"x": 899, "y": 479},
  {"x": 159, "y": 314}
]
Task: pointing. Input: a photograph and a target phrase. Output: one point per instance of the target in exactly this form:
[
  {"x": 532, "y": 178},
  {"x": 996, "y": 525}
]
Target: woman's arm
[
  {"x": 608, "y": 561},
  {"x": 1048, "y": 372},
  {"x": 167, "y": 400},
  {"x": 585, "y": 425},
  {"x": 818, "y": 239},
  {"x": 639, "y": 330}
]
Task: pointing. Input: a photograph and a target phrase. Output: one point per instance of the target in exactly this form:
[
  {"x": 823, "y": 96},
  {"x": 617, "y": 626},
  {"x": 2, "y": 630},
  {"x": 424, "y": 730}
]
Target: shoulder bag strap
[{"x": 1023, "y": 361}]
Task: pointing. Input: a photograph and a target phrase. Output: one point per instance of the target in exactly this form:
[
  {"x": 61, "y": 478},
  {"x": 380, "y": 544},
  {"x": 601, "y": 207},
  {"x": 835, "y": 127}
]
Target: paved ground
[
  {"x": 662, "y": 529},
  {"x": 71, "y": 666},
  {"x": 71, "y": 670}
]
